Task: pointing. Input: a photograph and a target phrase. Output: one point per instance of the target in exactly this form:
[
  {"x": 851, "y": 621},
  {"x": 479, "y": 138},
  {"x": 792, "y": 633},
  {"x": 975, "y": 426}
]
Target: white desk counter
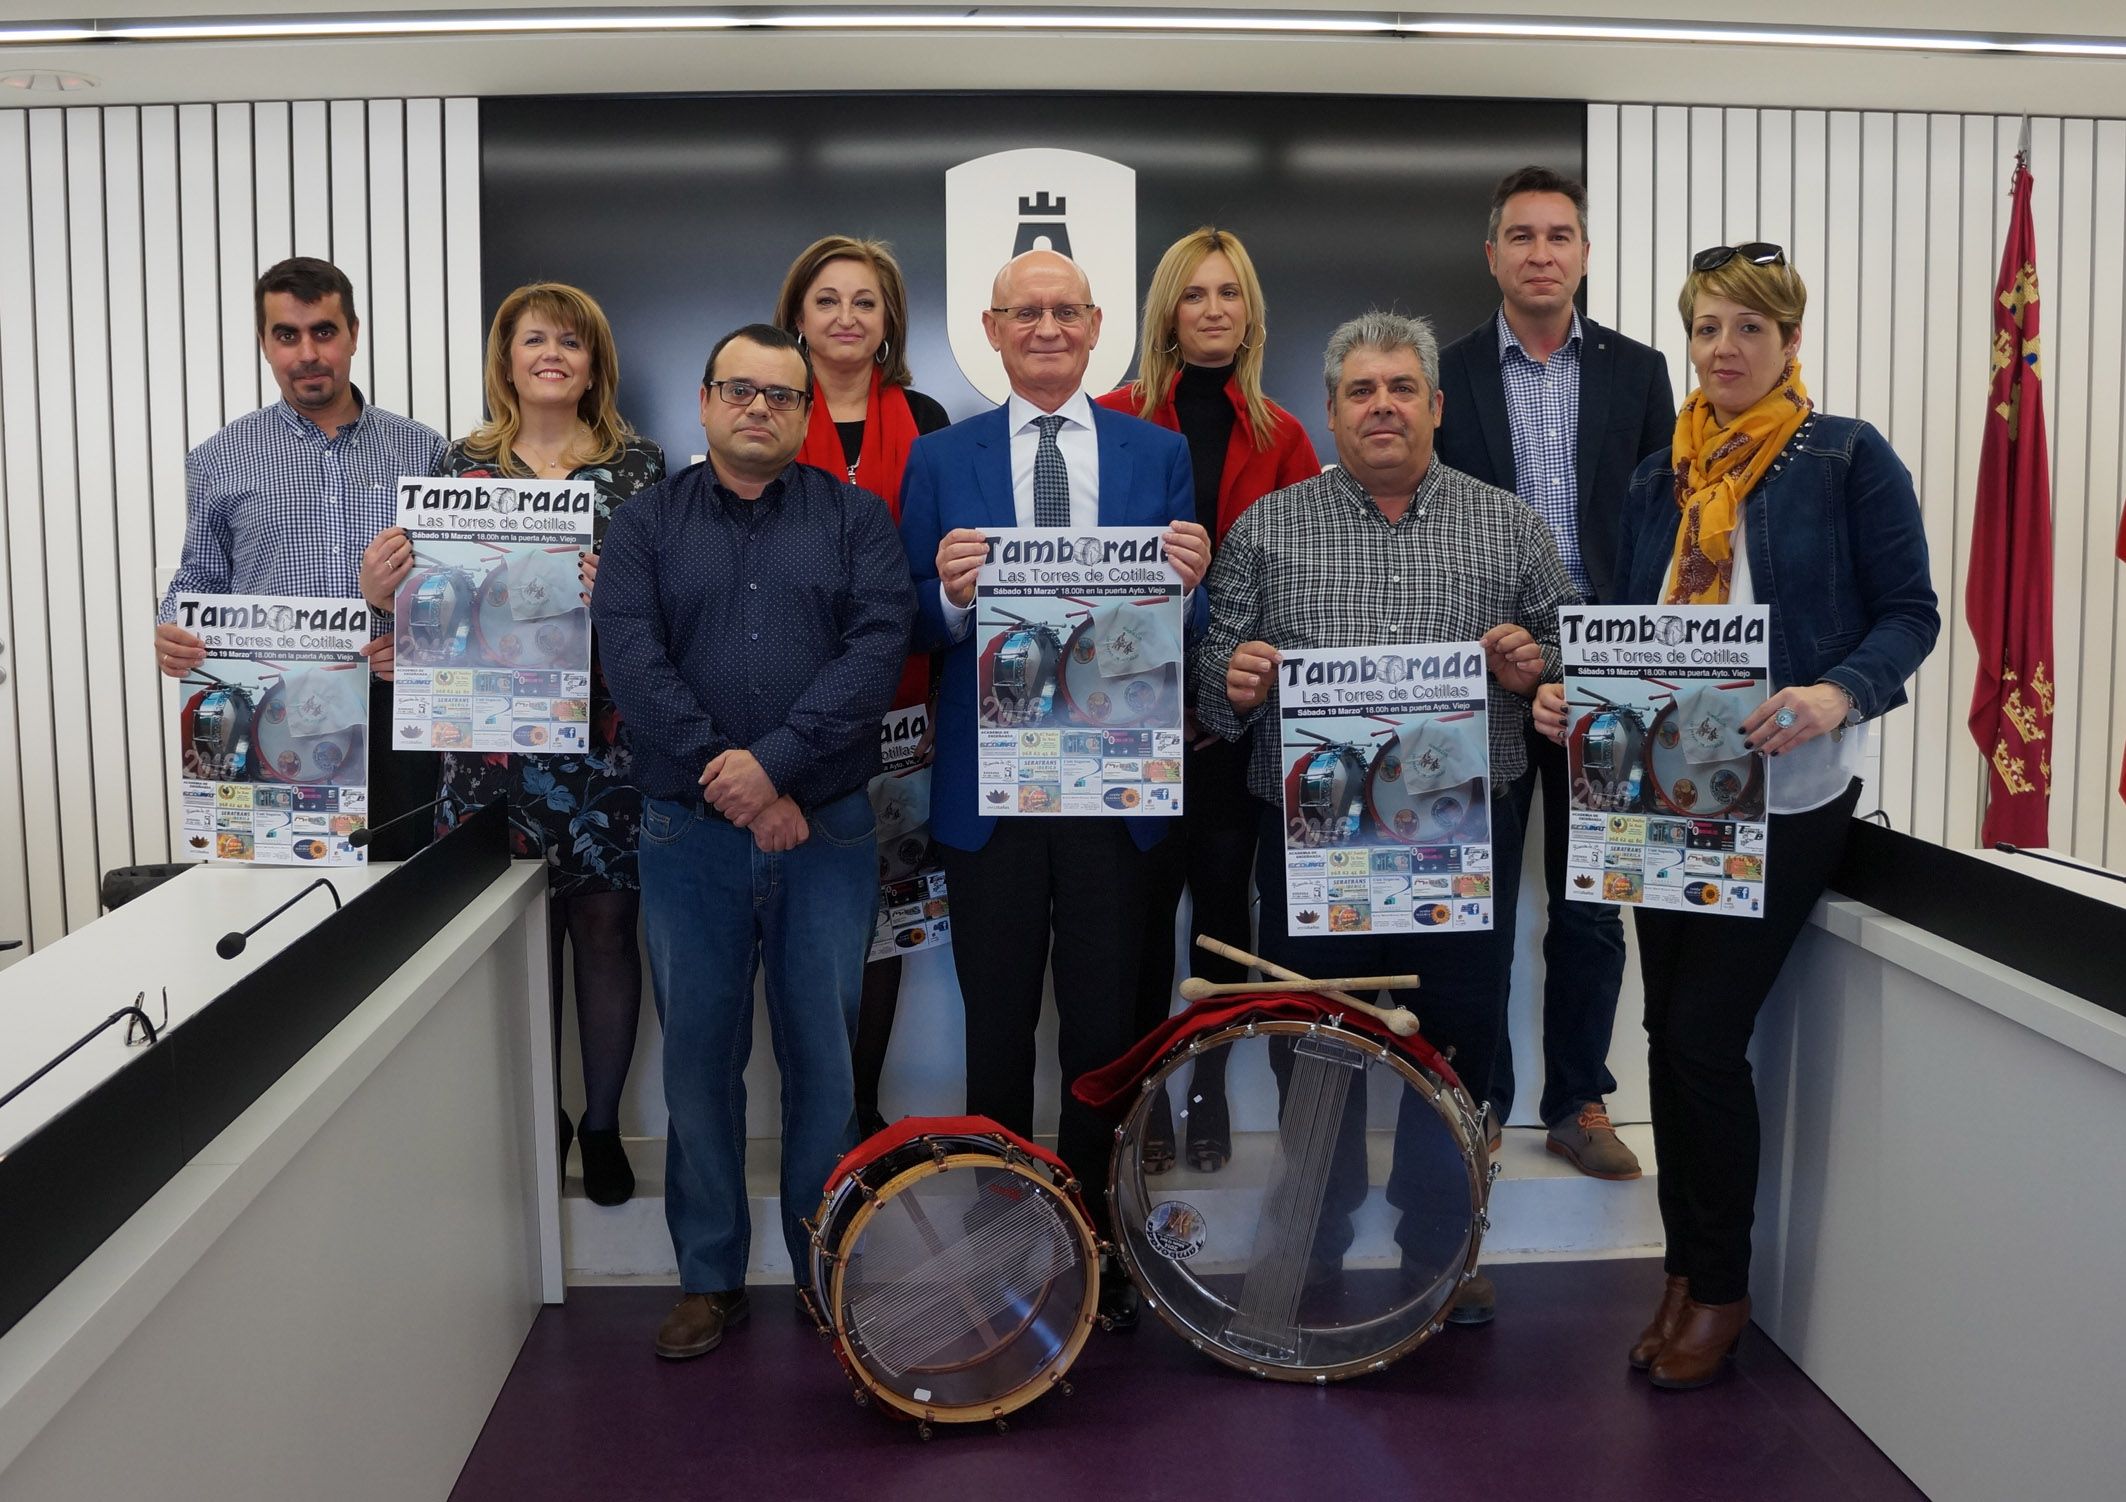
[{"x": 324, "y": 1301}]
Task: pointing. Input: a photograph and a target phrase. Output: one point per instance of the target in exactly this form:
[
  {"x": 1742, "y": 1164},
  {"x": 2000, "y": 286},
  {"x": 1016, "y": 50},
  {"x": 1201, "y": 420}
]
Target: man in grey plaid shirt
[{"x": 1390, "y": 547}]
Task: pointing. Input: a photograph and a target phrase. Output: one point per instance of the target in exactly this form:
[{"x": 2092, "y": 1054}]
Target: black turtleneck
[{"x": 1206, "y": 416}]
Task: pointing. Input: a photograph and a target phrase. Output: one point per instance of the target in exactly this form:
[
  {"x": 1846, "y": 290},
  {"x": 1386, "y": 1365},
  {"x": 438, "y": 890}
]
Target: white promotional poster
[
  {"x": 1080, "y": 673},
  {"x": 912, "y": 913},
  {"x": 492, "y": 639},
  {"x": 1668, "y": 803},
  {"x": 1387, "y": 779},
  {"x": 273, "y": 737}
]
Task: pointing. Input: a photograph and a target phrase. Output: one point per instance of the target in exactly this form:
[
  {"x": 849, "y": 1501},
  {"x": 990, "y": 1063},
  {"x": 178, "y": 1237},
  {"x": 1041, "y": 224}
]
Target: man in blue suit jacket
[
  {"x": 1546, "y": 403},
  {"x": 1023, "y": 888}
]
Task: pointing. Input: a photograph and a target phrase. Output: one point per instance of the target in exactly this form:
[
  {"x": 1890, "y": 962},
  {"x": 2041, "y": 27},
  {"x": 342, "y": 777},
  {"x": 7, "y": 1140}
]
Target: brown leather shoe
[
  {"x": 1705, "y": 1338},
  {"x": 1590, "y": 1144},
  {"x": 696, "y": 1324},
  {"x": 1663, "y": 1330},
  {"x": 1475, "y": 1303}
]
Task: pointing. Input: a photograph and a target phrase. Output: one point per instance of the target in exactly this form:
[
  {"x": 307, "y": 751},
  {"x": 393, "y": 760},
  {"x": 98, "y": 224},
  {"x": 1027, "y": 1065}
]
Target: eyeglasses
[
  {"x": 1756, "y": 252},
  {"x": 741, "y": 394},
  {"x": 1068, "y": 315}
]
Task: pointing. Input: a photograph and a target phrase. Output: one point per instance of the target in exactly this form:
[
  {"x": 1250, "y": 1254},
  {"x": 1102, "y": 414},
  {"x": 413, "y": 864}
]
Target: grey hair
[{"x": 1374, "y": 329}]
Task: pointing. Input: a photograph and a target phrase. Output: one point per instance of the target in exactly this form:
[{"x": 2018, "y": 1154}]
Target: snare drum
[
  {"x": 954, "y": 1267},
  {"x": 1332, "y": 1244}
]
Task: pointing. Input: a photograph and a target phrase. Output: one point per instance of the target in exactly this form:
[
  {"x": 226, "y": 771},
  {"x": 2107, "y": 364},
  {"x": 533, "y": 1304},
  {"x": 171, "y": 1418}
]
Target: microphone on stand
[
  {"x": 2037, "y": 855},
  {"x": 230, "y": 945},
  {"x": 367, "y": 834}
]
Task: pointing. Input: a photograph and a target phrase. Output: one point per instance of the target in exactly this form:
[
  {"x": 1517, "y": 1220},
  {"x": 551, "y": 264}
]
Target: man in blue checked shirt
[
  {"x": 297, "y": 499},
  {"x": 1545, "y": 402},
  {"x": 754, "y": 615}
]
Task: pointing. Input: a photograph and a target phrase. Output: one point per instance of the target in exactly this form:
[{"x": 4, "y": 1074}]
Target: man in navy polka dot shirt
[{"x": 753, "y": 615}]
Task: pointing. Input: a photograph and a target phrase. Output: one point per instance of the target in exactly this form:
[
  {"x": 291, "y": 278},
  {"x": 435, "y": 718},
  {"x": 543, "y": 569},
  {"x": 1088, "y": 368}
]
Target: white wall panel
[
  {"x": 1895, "y": 222},
  {"x": 129, "y": 242}
]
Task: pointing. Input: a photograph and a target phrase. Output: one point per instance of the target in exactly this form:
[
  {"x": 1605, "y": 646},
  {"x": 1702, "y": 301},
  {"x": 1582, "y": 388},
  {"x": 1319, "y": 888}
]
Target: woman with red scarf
[
  {"x": 1201, "y": 375},
  {"x": 846, "y": 302}
]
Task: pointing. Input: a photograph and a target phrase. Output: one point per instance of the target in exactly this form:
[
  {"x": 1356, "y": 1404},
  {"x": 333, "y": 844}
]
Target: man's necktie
[{"x": 1051, "y": 481}]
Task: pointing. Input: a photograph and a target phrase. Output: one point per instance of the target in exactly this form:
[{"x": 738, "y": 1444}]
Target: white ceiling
[{"x": 836, "y": 61}]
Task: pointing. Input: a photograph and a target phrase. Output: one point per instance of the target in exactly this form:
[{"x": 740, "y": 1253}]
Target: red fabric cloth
[
  {"x": 2008, "y": 595},
  {"x": 1112, "y": 1087},
  {"x": 908, "y": 1128},
  {"x": 1250, "y": 473},
  {"x": 889, "y": 432},
  {"x": 2122, "y": 559}
]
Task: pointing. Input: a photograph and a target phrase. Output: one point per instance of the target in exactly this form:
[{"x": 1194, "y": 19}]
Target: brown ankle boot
[
  {"x": 1663, "y": 1329},
  {"x": 1705, "y": 1337}
]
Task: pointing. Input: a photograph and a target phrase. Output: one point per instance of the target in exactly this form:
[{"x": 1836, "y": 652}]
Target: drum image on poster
[
  {"x": 954, "y": 1267},
  {"x": 1668, "y": 800},
  {"x": 1387, "y": 776},
  {"x": 1079, "y": 674},
  {"x": 1370, "y": 1215}
]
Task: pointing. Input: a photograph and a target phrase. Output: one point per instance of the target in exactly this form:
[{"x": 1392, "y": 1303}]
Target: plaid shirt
[
  {"x": 1543, "y": 409},
  {"x": 1317, "y": 565},
  {"x": 275, "y": 507}
]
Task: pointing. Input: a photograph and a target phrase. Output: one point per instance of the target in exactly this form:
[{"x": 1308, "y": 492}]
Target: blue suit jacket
[{"x": 961, "y": 477}]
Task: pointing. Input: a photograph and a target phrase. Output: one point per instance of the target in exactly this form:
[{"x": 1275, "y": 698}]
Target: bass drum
[
  {"x": 1369, "y": 1213},
  {"x": 955, "y": 1269}
]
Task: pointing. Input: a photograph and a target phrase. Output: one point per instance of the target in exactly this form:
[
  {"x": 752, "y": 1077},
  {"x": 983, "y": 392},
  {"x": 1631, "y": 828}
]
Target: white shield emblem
[{"x": 1041, "y": 198}]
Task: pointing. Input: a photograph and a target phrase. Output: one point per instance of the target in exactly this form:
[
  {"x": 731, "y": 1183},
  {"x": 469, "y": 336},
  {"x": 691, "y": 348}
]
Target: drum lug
[
  {"x": 1002, "y": 1426},
  {"x": 1437, "y": 1326},
  {"x": 922, "y": 1430},
  {"x": 1483, "y": 1223},
  {"x": 937, "y": 1154},
  {"x": 1491, "y": 1174}
]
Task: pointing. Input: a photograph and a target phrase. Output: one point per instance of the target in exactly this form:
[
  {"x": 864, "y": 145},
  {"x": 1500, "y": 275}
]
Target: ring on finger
[{"x": 1784, "y": 719}]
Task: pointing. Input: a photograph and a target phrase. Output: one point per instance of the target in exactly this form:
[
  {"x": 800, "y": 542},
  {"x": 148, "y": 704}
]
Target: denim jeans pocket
[
  {"x": 664, "y": 823},
  {"x": 846, "y": 821}
]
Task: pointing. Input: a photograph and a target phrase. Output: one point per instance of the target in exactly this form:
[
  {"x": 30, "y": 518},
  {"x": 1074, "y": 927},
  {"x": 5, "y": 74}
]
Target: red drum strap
[{"x": 909, "y": 1128}]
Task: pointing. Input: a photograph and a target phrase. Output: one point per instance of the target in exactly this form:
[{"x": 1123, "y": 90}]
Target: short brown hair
[
  {"x": 877, "y": 255},
  {"x": 307, "y": 280},
  {"x": 1775, "y": 291},
  {"x": 1535, "y": 180}
]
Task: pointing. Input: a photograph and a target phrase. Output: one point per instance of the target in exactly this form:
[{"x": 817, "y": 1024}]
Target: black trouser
[
  {"x": 1076, "y": 885},
  {"x": 1583, "y": 958},
  {"x": 1212, "y": 855},
  {"x": 1705, "y": 979},
  {"x": 399, "y": 781}
]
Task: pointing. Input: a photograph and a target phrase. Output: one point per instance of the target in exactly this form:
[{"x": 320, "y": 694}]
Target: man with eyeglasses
[
  {"x": 1548, "y": 404},
  {"x": 753, "y": 614},
  {"x": 1031, "y": 893}
]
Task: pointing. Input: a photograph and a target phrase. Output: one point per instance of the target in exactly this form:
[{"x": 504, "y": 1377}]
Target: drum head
[
  {"x": 1335, "y": 1239},
  {"x": 1016, "y": 676},
  {"x": 1705, "y": 789},
  {"x": 557, "y": 641},
  {"x": 1449, "y": 815},
  {"x": 438, "y": 612},
  {"x": 1130, "y": 699},
  {"x": 316, "y": 759},
  {"x": 962, "y": 1286}
]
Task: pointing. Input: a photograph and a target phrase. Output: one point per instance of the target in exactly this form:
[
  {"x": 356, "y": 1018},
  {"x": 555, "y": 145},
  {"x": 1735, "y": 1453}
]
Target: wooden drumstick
[
  {"x": 1196, "y": 989},
  {"x": 1400, "y": 1021}
]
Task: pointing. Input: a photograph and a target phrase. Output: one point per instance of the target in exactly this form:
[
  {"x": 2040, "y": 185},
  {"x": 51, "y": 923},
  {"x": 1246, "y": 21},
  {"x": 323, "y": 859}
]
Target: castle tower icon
[{"x": 1041, "y": 225}]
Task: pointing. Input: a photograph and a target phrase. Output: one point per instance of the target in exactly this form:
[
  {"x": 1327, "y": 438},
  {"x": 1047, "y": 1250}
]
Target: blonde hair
[
  {"x": 568, "y": 308},
  {"x": 877, "y": 255},
  {"x": 1775, "y": 291},
  {"x": 1162, "y": 340}
]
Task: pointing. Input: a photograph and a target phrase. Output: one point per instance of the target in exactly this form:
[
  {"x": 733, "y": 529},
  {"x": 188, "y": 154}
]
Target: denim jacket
[{"x": 1836, "y": 549}]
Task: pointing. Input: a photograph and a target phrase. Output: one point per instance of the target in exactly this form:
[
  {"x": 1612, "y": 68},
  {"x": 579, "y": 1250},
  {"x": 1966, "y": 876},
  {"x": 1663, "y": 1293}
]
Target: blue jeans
[{"x": 714, "y": 907}]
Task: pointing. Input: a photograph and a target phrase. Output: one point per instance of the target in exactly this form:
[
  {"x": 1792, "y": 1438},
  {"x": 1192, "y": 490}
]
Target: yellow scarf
[{"x": 1716, "y": 468}]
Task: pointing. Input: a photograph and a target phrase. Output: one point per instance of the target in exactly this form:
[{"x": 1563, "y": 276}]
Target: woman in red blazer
[{"x": 1201, "y": 375}]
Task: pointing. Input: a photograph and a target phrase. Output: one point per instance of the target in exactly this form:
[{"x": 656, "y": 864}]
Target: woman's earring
[{"x": 885, "y": 348}]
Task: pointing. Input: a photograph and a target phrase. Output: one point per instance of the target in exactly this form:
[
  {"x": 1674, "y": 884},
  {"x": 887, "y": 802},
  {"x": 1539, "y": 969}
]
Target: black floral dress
[{"x": 579, "y": 814}]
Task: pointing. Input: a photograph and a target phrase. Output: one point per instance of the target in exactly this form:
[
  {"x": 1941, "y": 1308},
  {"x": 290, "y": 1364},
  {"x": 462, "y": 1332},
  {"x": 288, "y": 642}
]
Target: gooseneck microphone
[
  {"x": 2038, "y": 855},
  {"x": 362, "y": 838},
  {"x": 230, "y": 945}
]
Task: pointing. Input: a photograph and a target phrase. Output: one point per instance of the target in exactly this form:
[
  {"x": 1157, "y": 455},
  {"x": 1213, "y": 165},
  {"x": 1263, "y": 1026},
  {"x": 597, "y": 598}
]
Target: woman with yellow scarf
[{"x": 1761, "y": 500}]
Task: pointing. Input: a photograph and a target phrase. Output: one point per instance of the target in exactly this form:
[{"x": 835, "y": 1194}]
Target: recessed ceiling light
[{"x": 48, "y": 83}]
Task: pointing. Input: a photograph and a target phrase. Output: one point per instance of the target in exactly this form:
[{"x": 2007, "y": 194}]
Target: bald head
[{"x": 1044, "y": 356}]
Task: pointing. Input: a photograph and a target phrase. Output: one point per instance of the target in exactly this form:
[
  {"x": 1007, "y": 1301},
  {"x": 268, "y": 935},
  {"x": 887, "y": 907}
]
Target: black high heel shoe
[
  {"x": 608, "y": 1177},
  {"x": 1210, "y": 1132}
]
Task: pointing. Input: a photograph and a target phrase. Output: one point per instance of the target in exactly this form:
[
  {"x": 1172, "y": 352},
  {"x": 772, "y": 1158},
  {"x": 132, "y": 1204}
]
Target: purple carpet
[{"x": 1539, "y": 1404}]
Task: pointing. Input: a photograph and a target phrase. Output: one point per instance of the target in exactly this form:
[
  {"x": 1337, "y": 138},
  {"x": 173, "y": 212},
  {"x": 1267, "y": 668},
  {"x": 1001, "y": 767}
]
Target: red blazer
[{"x": 1250, "y": 473}]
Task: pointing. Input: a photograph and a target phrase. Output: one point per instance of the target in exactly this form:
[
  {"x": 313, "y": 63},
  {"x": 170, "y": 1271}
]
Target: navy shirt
[{"x": 777, "y": 625}]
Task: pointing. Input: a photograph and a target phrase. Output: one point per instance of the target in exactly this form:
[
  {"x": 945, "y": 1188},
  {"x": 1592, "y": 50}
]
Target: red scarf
[{"x": 889, "y": 432}]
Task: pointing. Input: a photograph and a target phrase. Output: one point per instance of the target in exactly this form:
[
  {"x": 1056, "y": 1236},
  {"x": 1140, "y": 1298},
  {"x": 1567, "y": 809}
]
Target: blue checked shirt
[
  {"x": 1543, "y": 409},
  {"x": 275, "y": 507}
]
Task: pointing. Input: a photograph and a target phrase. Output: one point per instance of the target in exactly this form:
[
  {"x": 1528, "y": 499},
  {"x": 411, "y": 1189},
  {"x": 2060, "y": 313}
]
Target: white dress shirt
[{"x": 1080, "y": 445}]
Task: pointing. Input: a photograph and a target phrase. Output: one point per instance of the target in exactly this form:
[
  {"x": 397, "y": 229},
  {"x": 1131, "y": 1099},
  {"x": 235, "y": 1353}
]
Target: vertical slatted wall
[
  {"x": 1896, "y": 221},
  {"x": 129, "y": 242}
]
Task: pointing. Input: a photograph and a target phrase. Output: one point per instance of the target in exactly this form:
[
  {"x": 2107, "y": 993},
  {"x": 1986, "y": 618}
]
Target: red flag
[{"x": 2008, "y": 596}]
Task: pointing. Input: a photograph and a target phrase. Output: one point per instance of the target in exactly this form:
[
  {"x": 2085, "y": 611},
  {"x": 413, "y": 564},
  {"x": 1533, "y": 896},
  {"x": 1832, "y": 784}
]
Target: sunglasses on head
[{"x": 1756, "y": 252}]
